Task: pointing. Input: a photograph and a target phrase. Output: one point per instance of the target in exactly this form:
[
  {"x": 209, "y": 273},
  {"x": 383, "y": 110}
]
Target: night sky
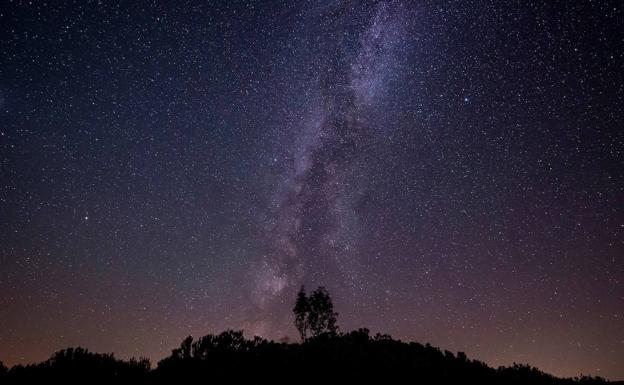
[{"x": 453, "y": 173}]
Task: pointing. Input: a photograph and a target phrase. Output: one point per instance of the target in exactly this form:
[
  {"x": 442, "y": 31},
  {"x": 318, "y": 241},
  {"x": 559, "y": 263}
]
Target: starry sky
[{"x": 453, "y": 173}]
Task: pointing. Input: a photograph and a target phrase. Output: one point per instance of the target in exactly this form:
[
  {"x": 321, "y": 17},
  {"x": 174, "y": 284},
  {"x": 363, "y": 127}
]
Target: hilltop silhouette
[{"x": 325, "y": 356}]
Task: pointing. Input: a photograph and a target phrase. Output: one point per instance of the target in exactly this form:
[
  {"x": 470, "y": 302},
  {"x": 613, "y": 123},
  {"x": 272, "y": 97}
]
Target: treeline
[
  {"x": 230, "y": 358},
  {"x": 325, "y": 356}
]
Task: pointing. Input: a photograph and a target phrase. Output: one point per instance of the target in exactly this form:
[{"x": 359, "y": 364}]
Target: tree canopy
[{"x": 314, "y": 314}]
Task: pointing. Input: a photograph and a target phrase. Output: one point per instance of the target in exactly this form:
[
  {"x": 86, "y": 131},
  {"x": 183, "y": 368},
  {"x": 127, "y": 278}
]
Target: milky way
[
  {"x": 452, "y": 172},
  {"x": 315, "y": 229}
]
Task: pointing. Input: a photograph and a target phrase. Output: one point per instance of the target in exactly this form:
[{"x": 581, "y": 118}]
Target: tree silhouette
[
  {"x": 315, "y": 313},
  {"x": 184, "y": 351},
  {"x": 301, "y": 310},
  {"x": 322, "y": 318}
]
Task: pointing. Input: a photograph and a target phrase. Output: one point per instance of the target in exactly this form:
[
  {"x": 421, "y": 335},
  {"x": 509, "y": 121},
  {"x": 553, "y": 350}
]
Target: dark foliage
[
  {"x": 79, "y": 366},
  {"x": 229, "y": 358},
  {"x": 301, "y": 311},
  {"x": 314, "y": 315},
  {"x": 321, "y": 316}
]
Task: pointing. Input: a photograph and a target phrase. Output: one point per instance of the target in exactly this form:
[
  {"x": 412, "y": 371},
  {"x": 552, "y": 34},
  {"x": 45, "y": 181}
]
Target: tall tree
[
  {"x": 314, "y": 314},
  {"x": 321, "y": 318},
  {"x": 301, "y": 310}
]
